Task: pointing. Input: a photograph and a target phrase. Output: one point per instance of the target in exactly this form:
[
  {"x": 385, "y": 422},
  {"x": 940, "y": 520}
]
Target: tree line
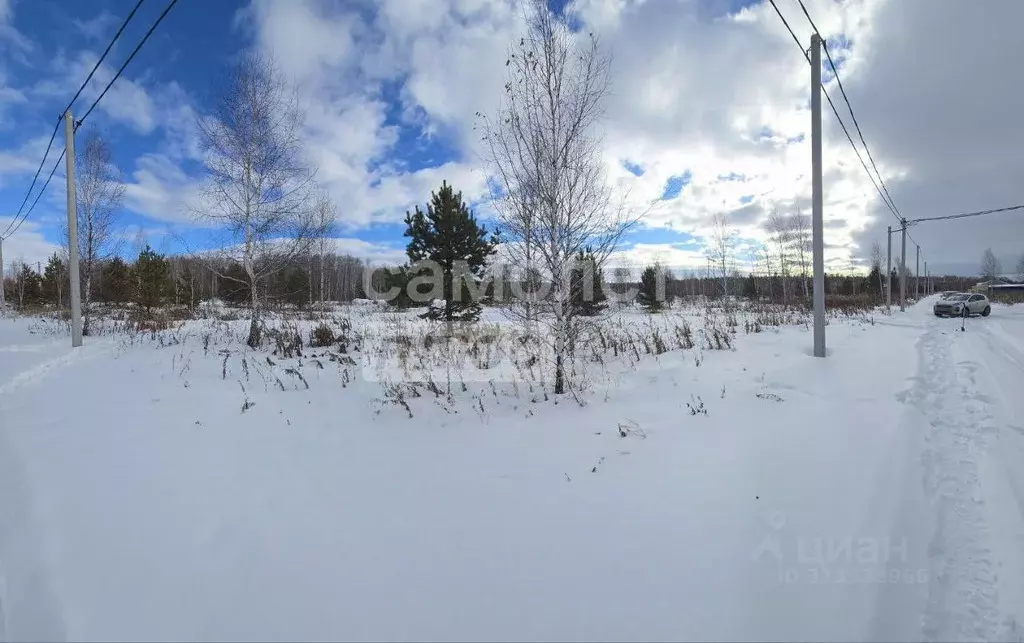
[{"x": 152, "y": 280}]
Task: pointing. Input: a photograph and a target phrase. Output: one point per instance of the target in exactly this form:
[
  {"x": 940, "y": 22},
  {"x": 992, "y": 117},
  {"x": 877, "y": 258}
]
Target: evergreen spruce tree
[
  {"x": 750, "y": 287},
  {"x": 648, "y": 297},
  {"x": 116, "y": 286},
  {"x": 448, "y": 235},
  {"x": 151, "y": 274},
  {"x": 399, "y": 279},
  {"x": 54, "y": 277},
  {"x": 28, "y": 286},
  {"x": 873, "y": 284},
  {"x": 586, "y": 293}
]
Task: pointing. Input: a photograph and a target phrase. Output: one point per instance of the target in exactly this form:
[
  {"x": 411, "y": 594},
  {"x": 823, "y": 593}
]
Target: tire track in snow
[
  {"x": 962, "y": 599},
  {"x": 43, "y": 369},
  {"x": 28, "y": 606},
  {"x": 22, "y": 564}
]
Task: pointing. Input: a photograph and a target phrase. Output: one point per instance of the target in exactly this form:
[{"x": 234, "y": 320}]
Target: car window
[
  {"x": 958, "y": 298},
  {"x": 975, "y": 297}
]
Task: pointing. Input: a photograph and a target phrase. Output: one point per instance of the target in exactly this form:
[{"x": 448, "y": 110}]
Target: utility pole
[
  {"x": 917, "y": 274},
  {"x": 76, "y": 291},
  {"x": 888, "y": 272},
  {"x": 903, "y": 266},
  {"x": 926, "y": 293},
  {"x": 817, "y": 226},
  {"x": 2, "y": 302}
]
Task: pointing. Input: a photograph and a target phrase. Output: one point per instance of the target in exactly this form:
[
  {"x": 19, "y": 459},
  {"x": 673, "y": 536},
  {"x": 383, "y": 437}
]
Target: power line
[
  {"x": 126, "y": 62},
  {"x": 105, "y": 52},
  {"x": 842, "y": 90},
  {"x": 14, "y": 223},
  {"x": 964, "y": 215},
  {"x": 838, "y": 118},
  {"x": 8, "y": 232},
  {"x": 41, "y": 190}
]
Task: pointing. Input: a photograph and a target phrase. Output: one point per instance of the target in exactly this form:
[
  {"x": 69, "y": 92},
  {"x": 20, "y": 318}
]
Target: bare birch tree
[
  {"x": 259, "y": 188},
  {"x": 766, "y": 258},
  {"x": 722, "y": 249},
  {"x": 876, "y": 263},
  {"x": 779, "y": 230},
  {"x": 990, "y": 264},
  {"x": 555, "y": 200},
  {"x": 800, "y": 238},
  {"x": 99, "y": 191},
  {"x": 325, "y": 215}
]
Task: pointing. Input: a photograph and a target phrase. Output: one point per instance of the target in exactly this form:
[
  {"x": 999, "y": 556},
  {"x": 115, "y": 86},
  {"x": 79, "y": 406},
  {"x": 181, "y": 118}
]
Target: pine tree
[
  {"x": 585, "y": 283},
  {"x": 28, "y": 286},
  {"x": 116, "y": 286},
  {"x": 151, "y": 273},
  {"x": 873, "y": 284},
  {"x": 750, "y": 287},
  {"x": 448, "y": 235},
  {"x": 649, "y": 297},
  {"x": 54, "y": 277},
  {"x": 399, "y": 279}
]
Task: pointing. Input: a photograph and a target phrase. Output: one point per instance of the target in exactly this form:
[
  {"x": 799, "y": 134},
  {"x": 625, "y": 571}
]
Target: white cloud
[
  {"x": 375, "y": 253},
  {"x": 693, "y": 92},
  {"x": 672, "y": 256},
  {"x": 27, "y": 244},
  {"x": 127, "y": 102},
  {"x": 689, "y": 95},
  {"x": 99, "y": 27},
  {"x": 161, "y": 190}
]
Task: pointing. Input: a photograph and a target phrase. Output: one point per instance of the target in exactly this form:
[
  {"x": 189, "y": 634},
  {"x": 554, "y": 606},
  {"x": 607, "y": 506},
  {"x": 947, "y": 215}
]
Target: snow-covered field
[{"x": 177, "y": 485}]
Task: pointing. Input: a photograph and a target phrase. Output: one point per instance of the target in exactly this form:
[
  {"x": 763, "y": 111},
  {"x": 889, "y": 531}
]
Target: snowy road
[
  {"x": 970, "y": 394},
  {"x": 875, "y": 495}
]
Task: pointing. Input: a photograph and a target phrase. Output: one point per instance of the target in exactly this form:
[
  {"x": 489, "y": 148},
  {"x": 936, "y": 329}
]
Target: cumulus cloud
[
  {"x": 936, "y": 103},
  {"x": 159, "y": 189},
  {"x": 719, "y": 98},
  {"x": 28, "y": 244},
  {"x": 709, "y": 109}
]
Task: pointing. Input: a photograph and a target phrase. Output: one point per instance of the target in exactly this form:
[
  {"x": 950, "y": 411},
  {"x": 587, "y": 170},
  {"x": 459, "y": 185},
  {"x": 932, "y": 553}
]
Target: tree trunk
[
  {"x": 86, "y": 300},
  {"x": 323, "y": 308},
  {"x": 254, "y": 318}
]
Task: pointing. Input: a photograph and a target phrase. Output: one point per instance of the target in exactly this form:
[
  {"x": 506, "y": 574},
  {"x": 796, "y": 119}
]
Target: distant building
[{"x": 1001, "y": 283}]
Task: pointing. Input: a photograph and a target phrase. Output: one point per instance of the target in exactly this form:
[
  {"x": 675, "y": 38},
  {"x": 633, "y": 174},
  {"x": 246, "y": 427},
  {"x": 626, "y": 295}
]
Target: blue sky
[
  {"x": 707, "y": 115},
  {"x": 182, "y": 63}
]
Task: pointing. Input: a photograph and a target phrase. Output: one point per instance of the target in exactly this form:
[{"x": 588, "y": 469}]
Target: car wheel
[{"x": 985, "y": 313}]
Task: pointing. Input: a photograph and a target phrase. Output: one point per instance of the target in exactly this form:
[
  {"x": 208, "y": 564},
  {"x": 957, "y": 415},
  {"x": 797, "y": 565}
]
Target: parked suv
[{"x": 953, "y": 306}]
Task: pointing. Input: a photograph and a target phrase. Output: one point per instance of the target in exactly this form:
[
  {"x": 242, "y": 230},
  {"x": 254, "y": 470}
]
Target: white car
[{"x": 953, "y": 306}]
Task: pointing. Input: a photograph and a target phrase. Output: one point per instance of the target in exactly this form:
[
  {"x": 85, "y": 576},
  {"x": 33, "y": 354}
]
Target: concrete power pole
[
  {"x": 2, "y": 302},
  {"x": 903, "y": 265},
  {"x": 917, "y": 274},
  {"x": 76, "y": 291},
  {"x": 817, "y": 226},
  {"x": 926, "y": 293},
  {"x": 888, "y": 272}
]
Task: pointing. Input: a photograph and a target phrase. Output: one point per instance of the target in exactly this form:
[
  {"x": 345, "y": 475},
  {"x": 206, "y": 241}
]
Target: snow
[{"x": 873, "y": 495}]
